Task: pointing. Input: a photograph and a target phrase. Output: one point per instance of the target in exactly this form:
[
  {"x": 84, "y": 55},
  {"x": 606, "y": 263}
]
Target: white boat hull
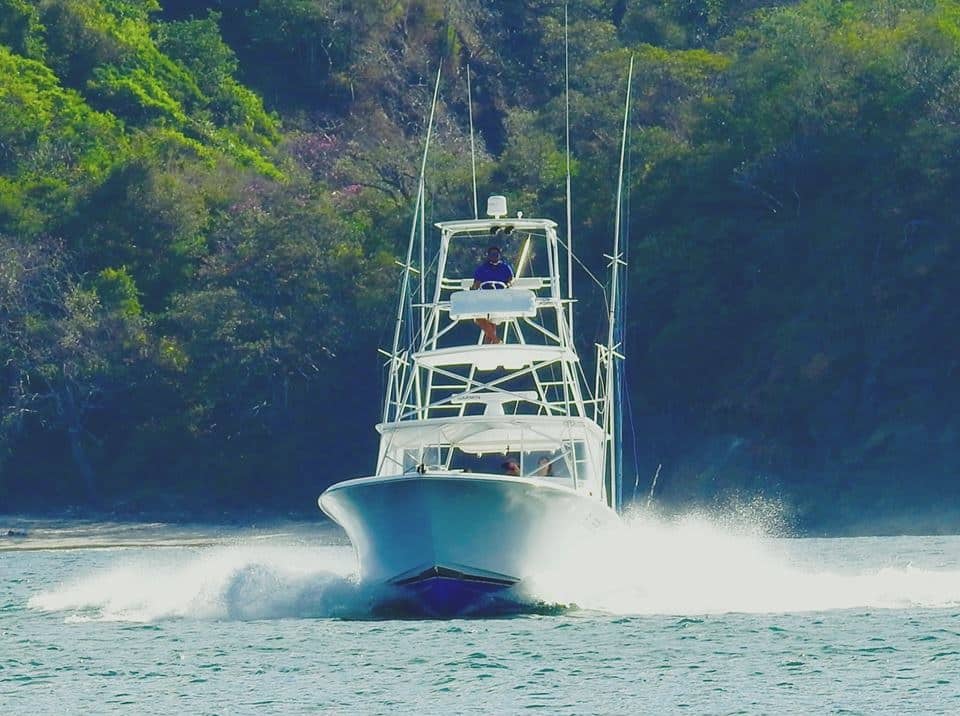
[{"x": 450, "y": 541}]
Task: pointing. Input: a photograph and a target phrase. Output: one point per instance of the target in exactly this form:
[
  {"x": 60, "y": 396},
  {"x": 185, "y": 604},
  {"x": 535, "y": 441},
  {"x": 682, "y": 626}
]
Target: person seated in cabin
[
  {"x": 544, "y": 467},
  {"x": 493, "y": 273},
  {"x": 511, "y": 467}
]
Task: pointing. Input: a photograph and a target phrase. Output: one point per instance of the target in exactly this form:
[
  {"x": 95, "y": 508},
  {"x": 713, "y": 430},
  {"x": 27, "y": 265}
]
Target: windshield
[{"x": 525, "y": 252}]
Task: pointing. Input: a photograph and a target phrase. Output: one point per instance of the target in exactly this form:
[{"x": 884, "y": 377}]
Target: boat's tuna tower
[{"x": 455, "y": 404}]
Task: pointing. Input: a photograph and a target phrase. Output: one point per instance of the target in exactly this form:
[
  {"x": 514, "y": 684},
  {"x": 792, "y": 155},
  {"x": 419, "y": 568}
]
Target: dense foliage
[{"x": 201, "y": 203}]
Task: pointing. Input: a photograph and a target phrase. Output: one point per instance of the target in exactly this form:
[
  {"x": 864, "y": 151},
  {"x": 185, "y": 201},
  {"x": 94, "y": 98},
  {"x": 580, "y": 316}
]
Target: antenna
[
  {"x": 524, "y": 255},
  {"x": 616, "y": 262},
  {"x": 473, "y": 151}
]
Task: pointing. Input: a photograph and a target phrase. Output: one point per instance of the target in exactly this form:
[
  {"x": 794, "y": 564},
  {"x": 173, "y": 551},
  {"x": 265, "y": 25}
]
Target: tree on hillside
[{"x": 67, "y": 349}]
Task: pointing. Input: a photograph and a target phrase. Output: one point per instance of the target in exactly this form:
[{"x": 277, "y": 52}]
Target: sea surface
[{"x": 694, "y": 615}]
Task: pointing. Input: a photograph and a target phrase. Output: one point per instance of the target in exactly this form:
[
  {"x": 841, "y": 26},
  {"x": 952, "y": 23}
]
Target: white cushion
[{"x": 493, "y": 304}]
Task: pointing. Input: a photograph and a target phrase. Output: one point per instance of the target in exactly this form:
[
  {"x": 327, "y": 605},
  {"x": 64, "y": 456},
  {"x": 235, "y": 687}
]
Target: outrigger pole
[
  {"x": 566, "y": 99},
  {"x": 473, "y": 151},
  {"x": 418, "y": 213},
  {"x": 610, "y": 423}
]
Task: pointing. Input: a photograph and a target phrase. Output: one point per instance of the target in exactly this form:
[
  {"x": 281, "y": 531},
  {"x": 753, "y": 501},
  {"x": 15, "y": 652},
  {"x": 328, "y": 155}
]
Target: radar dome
[{"x": 497, "y": 206}]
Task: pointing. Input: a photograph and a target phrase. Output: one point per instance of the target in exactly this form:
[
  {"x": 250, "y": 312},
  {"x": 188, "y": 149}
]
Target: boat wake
[
  {"x": 701, "y": 564},
  {"x": 693, "y": 565},
  {"x": 240, "y": 582}
]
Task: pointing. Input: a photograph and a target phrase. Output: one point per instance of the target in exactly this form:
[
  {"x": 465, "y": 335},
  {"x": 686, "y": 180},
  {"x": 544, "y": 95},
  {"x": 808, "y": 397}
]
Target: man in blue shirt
[{"x": 493, "y": 273}]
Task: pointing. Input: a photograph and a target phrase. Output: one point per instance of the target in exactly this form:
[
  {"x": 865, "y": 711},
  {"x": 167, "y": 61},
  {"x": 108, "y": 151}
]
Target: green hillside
[{"x": 201, "y": 204}]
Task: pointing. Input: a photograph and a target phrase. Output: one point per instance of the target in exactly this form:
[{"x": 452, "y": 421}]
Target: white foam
[
  {"x": 235, "y": 582},
  {"x": 700, "y": 564},
  {"x": 693, "y": 565}
]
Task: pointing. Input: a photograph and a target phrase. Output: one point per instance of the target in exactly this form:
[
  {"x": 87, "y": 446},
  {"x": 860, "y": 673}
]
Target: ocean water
[{"x": 688, "y": 615}]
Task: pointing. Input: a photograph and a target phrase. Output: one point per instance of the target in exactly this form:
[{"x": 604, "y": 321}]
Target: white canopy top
[
  {"x": 511, "y": 356},
  {"x": 490, "y": 434},
  {"x": 487, "y": 224}
]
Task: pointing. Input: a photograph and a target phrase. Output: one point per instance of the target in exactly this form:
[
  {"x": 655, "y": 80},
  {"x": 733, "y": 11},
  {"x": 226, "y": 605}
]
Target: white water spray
[
  {"x": 693, "y": 565},
  {"x": 224, "y": 582},
  {"x": 702, "y": 564}
]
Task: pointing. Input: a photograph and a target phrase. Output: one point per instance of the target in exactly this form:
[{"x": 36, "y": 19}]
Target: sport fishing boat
[
  {"x": 493, "y": 456},
  {"x": 497, "y": 455}
]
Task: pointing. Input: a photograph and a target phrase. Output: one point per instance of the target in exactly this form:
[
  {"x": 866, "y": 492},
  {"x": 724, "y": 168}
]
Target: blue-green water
[{"x": 681, "y": 617}]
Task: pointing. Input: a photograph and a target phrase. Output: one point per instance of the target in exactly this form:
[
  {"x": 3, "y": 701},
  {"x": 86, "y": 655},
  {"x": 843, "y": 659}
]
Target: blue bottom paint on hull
[
  {"x": 452, "y": 597},
  {"x": 443, "y": 593}
]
